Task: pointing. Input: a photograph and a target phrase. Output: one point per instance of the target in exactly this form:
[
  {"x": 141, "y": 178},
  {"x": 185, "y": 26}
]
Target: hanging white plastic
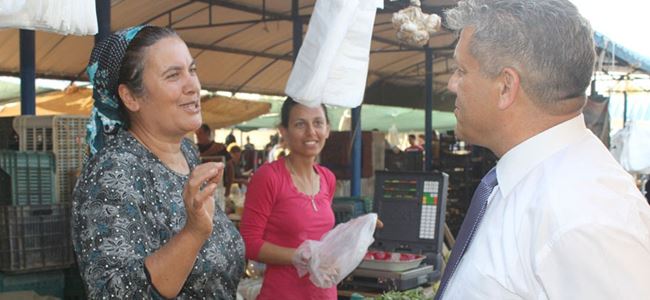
[
  {"x": 630, "y": 147},
  {"x": 332, "y": 64},
  {"x": 76, "y": 17}
]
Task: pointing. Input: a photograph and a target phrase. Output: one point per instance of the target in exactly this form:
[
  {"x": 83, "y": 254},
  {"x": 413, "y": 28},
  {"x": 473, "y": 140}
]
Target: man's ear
[
  {"x": 128, "y": 98},
  {"x": 509, "y": 87}
]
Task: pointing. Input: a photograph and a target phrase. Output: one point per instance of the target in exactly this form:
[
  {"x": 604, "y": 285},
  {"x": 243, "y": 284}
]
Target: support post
[
  {"x": 103, "y": 10},
  {"x": 355, "y": 179},
  {"x": 428, "y": 110},
  {"x": 297, "y": 28},
  {"x": 27, "y": 72}
]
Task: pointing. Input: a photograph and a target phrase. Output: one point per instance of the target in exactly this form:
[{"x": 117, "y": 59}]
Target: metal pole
[
  {"x": 355, "y": 179},
  {"x": 297, "y": 28},
  {"x": 428, "y": 110},
  {"x": 624, "y": 108},
  {"x": 103, "y": 10},
  {"x": 27, "y": 72}
]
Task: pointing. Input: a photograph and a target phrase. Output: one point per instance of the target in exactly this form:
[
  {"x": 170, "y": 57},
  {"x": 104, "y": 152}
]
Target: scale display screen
[{"x": 411, "y": 205}]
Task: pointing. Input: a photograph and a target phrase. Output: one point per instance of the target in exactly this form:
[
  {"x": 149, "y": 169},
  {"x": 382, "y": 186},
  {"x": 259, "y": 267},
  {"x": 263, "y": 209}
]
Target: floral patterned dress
[{"x": 128, "y": 204}]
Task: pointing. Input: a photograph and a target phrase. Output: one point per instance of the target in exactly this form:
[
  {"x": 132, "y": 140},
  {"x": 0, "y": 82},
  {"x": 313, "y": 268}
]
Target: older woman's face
[{"x": 171, "y": 102}]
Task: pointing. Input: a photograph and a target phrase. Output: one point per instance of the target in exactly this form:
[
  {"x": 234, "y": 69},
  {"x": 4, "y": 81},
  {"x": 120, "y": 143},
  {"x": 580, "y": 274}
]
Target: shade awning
[
  {"x": 72, "y": 101},
  {"x": 218, "y": 112}
]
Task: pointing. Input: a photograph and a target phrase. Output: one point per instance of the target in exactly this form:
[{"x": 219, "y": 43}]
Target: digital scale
[{"x": 412, "y": 207}]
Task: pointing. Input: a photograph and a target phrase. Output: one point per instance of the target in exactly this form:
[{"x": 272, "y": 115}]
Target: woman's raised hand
[{"x": 198, "y": 197}]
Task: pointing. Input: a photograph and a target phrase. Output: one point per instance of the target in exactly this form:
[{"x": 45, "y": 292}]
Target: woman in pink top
[{"x": 288, "y": 202}]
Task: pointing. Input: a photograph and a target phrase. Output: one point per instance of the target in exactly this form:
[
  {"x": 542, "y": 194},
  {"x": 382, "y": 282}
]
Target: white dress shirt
[{"x": 565, "y": 222}]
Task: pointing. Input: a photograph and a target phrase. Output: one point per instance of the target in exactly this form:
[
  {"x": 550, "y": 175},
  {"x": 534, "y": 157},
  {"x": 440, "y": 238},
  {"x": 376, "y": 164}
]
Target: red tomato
[
  {"x": 369, "y": 256},
  {"x": 381, "y": 255},
  {"x": 407, "y": 256}
]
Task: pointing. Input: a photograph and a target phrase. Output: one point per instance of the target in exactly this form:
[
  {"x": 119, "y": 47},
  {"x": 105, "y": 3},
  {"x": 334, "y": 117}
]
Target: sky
[{"x": 625, "y": 22}]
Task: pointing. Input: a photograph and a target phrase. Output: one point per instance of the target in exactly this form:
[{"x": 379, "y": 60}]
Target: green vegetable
[{"x": 415, "y": 294}]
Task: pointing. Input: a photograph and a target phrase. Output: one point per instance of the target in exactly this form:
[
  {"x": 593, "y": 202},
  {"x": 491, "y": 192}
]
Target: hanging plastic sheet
[
  {"x": 332, "y": 64},
  {"x": 76, "y": 17}
]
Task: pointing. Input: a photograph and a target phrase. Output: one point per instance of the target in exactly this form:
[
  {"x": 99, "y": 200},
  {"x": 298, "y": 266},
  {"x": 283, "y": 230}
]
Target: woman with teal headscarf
[{"x": 144, "y": 221}]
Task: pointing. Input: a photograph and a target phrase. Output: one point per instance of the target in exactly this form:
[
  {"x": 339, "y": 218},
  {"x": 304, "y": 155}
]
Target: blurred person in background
[
  {"x": 230, "y": 140},
  {"x": 278, "y": 150},
  {"x": 206, "y": 144},
  {"x": 233, "y": 170},
  {"x": 249, "y": 145},
  {"x": 413, "y": 144}
]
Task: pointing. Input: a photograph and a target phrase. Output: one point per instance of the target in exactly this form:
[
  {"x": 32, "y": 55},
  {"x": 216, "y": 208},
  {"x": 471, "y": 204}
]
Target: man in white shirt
[{"x": 564, "y": 221}]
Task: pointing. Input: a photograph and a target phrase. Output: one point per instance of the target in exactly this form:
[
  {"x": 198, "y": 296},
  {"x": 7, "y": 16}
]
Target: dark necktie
[{"x": 469, "y": 227}]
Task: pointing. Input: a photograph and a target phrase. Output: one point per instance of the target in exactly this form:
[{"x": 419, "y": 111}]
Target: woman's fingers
[
  {"x": 220, "y": 168},
  {"x": 201, "y": 174},
  {"x": 204, "y": 195},
  {"x": 198, "y": 198}
]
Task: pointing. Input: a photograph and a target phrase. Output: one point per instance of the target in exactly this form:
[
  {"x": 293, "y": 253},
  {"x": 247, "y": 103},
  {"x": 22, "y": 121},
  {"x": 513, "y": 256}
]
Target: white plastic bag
[
  {"x": 631, "y": 147},
  {"x": 340, "y": 251},
  {"x": 249, "y": 288},
  {"x": 332, "y": 64}
]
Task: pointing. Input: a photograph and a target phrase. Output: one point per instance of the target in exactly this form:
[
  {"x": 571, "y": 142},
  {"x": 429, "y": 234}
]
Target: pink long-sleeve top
[{"x": 276, "y": 212}]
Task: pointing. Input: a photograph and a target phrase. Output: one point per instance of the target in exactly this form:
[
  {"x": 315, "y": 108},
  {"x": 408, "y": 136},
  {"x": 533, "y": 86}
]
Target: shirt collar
[{"x": 521, "y": 159}]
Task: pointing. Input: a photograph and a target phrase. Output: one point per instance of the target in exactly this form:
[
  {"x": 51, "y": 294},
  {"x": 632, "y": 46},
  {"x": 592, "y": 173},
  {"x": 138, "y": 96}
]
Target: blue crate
[
  {"x": 31, "y": 177},
  {"x": 49, "y": 283}
]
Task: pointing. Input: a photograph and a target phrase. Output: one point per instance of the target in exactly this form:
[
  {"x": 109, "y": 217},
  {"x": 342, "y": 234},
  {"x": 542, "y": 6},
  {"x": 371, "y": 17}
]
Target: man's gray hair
[{"x": 548, "y": 42}]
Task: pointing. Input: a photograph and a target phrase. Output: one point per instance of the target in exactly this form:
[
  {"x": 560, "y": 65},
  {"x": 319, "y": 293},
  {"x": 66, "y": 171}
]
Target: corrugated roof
[
  {"x": 243, "y": 45},
  {"x": 246, "y": 46}
]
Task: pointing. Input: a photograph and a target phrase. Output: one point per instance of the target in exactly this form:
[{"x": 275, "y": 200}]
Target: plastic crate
[
  {"x": 362, "y": 205},
  {"x": 30, "y": 177},
  {"x": 343, "y": 212},
  {"x": 49, "y": 283},
  {"x": 5, "y": 186},
  {"x": 35, "y": 237},
  {"x": 65, "y": 135},
  {"x": 346, "y": 208},
  {"x": 8, "y": 136}
]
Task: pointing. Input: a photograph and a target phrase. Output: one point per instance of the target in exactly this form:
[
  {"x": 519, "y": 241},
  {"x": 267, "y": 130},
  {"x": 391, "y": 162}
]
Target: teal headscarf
[{"x": 104, "y": 71}]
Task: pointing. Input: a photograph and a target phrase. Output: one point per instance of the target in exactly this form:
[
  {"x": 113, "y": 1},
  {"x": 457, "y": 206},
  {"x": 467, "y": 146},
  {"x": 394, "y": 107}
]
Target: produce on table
[{"x": 390, "y": 256}]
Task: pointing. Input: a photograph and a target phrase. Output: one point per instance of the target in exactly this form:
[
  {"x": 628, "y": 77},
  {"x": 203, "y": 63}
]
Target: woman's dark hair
[
  {"x": 288, "y": 104},
  {"x": 230, "y": 138},
  {"x": 205, "y": 128},
  {"x": 132, "y": 65}
]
